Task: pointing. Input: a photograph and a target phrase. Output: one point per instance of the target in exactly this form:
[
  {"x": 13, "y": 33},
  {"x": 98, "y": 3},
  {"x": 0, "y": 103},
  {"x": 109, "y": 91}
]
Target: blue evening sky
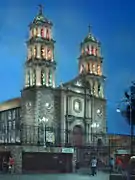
[{"x": 113, "y": 24}]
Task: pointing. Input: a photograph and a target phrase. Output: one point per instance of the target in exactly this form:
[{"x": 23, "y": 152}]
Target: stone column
[
  {"x": 44, "y": 32},
  {"x": 38, "y": 76},
  {"x": 38, "y": 51},
  {"x": 53, "y": 78},
  {"x": 46, "y": 71},
  {"x": 31, "y": 78},
  {"x": 39, "y": 31}
]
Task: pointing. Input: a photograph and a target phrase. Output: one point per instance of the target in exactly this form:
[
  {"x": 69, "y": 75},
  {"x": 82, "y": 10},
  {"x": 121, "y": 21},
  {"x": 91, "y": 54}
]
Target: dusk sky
[{"x": 113, "y": 23}]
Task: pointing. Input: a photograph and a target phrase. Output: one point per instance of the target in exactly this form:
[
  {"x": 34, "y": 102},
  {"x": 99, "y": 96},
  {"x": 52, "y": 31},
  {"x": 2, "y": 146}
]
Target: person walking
[
  {"x": 93, "y": 166},
  {"x": 111, "y": 165},
  {"x": 11, "y": 165}
]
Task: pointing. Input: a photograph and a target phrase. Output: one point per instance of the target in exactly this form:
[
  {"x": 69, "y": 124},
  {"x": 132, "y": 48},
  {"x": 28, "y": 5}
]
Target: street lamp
[{"x": 44, "y": 120}]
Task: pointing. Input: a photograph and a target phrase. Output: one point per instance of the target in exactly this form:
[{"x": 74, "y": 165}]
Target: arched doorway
[{"x": 77, "y": 135}]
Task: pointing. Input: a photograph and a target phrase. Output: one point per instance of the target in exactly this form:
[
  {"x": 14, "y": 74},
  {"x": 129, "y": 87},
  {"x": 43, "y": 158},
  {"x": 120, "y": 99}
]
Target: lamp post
[{"x": 44, "y": 120}]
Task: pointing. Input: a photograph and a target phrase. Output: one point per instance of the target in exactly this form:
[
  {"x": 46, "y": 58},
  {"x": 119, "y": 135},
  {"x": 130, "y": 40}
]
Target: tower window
[
  {"x": 35, "y": 51},
  {"x": 42, "y": 52},
  {"x": 42, "y": 32},
  {"x": 34, "y": 32},
  {"x": 92, "y": 50},
  {"x": 47, "y": 34},
  {"x": 93, "y": 68},
  {"x": 34, "y": 77},
  {"x": 43, "y": 80},
  {"x": 48, "y": 53},
  {"x": 98, "y": 70}
]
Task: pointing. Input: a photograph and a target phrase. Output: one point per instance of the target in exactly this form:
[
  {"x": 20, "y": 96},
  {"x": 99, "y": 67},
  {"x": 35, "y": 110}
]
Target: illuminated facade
[{"x": 72, "y": 114}]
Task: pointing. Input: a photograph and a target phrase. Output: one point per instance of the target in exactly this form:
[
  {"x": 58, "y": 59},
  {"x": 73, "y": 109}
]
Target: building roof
[{"x": 10, "y": 104}]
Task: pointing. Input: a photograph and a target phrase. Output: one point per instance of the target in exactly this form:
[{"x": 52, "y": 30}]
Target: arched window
[
  {"x": 42, "y": 32},
  {"x": 42, "y": 52},
  {"x": 98, "y": 70},
  {"x": 34, "y": 77},
  {"x": 49, "y": 54},
  {"x": 49, "y": 78},
  {"x": 92, "y": 50},
  {"x": 43, "y": 77},
  {"x": 47, "y": 34},
  {"x": 34, "y": 32},
  {"x": 35, "y": 51}
]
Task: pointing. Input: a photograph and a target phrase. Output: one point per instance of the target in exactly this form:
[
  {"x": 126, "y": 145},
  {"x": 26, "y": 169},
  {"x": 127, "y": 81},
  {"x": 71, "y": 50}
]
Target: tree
[{"x": 129, "y": 112}]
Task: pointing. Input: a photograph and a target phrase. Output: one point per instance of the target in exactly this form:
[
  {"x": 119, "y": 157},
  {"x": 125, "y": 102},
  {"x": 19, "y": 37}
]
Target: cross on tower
[
  {"x": 40, "y": 9},
  {"x": 89, "y": 29}
]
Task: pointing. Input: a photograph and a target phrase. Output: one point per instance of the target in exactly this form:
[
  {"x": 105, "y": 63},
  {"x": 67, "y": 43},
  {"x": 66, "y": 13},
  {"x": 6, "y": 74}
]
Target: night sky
[{"x": 113, "y": 23}]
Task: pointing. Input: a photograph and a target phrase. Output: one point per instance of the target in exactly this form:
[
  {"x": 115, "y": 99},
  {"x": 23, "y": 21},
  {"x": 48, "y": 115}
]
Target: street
[{"x": 99, "y": 176}]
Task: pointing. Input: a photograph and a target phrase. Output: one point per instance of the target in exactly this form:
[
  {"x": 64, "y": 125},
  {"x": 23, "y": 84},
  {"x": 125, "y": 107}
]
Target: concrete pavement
[{"x": 99, "y": 176}]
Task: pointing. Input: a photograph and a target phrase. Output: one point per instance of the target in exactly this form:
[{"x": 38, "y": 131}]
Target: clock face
[
  {"x": 99, "y": 111},
  {"x": 77, "y": 105},
  {"x": 48, "y": 106}
]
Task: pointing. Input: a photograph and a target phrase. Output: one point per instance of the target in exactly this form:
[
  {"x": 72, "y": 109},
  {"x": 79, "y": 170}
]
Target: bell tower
[
  {"x": 40, "y": 64},
  {"x": 90, "y": 64}
]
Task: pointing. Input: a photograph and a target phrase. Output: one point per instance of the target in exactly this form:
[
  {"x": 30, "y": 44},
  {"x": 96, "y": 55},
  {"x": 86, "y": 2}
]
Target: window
[
  {"x": 14, "y": 125},
  {"x": 42, "y": 32},
  {"x": 35, "y": 51},
  {"x": 48, "y": 53},
  {"x": 34, "y": 32},
  {"x": 77, "y": 106},
  {"x": 42, "y": 52},
  {"x": 13, "y": 114},
  {"x": 93, "y": 68},
  {"x": 34, "y": 77},
  {"x": 43, "y": 77},
  {"x": 98, "y": 70},
  {"x": 92, "y": 50},
  {"x": 47, "y": 34},
  {"x": 9, "y": 115}
]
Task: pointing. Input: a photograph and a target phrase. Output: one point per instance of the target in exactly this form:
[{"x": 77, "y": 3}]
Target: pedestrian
[
  {"x": 111, "y": 165},
  {"x": 93, "y": 166},
  {"x": 11, "y": 165}
]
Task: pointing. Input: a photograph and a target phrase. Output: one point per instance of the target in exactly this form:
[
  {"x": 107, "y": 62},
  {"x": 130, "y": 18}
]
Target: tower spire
[{"x": 40, "y": 9}]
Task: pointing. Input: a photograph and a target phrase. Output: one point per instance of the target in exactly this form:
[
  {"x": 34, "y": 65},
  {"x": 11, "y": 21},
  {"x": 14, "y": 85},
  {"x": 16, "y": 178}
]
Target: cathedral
[{"x": 50, "y": 118}]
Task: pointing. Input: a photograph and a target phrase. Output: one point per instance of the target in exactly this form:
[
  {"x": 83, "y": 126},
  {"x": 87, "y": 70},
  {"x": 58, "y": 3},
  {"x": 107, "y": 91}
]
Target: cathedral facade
[{"x": 72, "y": 114}]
